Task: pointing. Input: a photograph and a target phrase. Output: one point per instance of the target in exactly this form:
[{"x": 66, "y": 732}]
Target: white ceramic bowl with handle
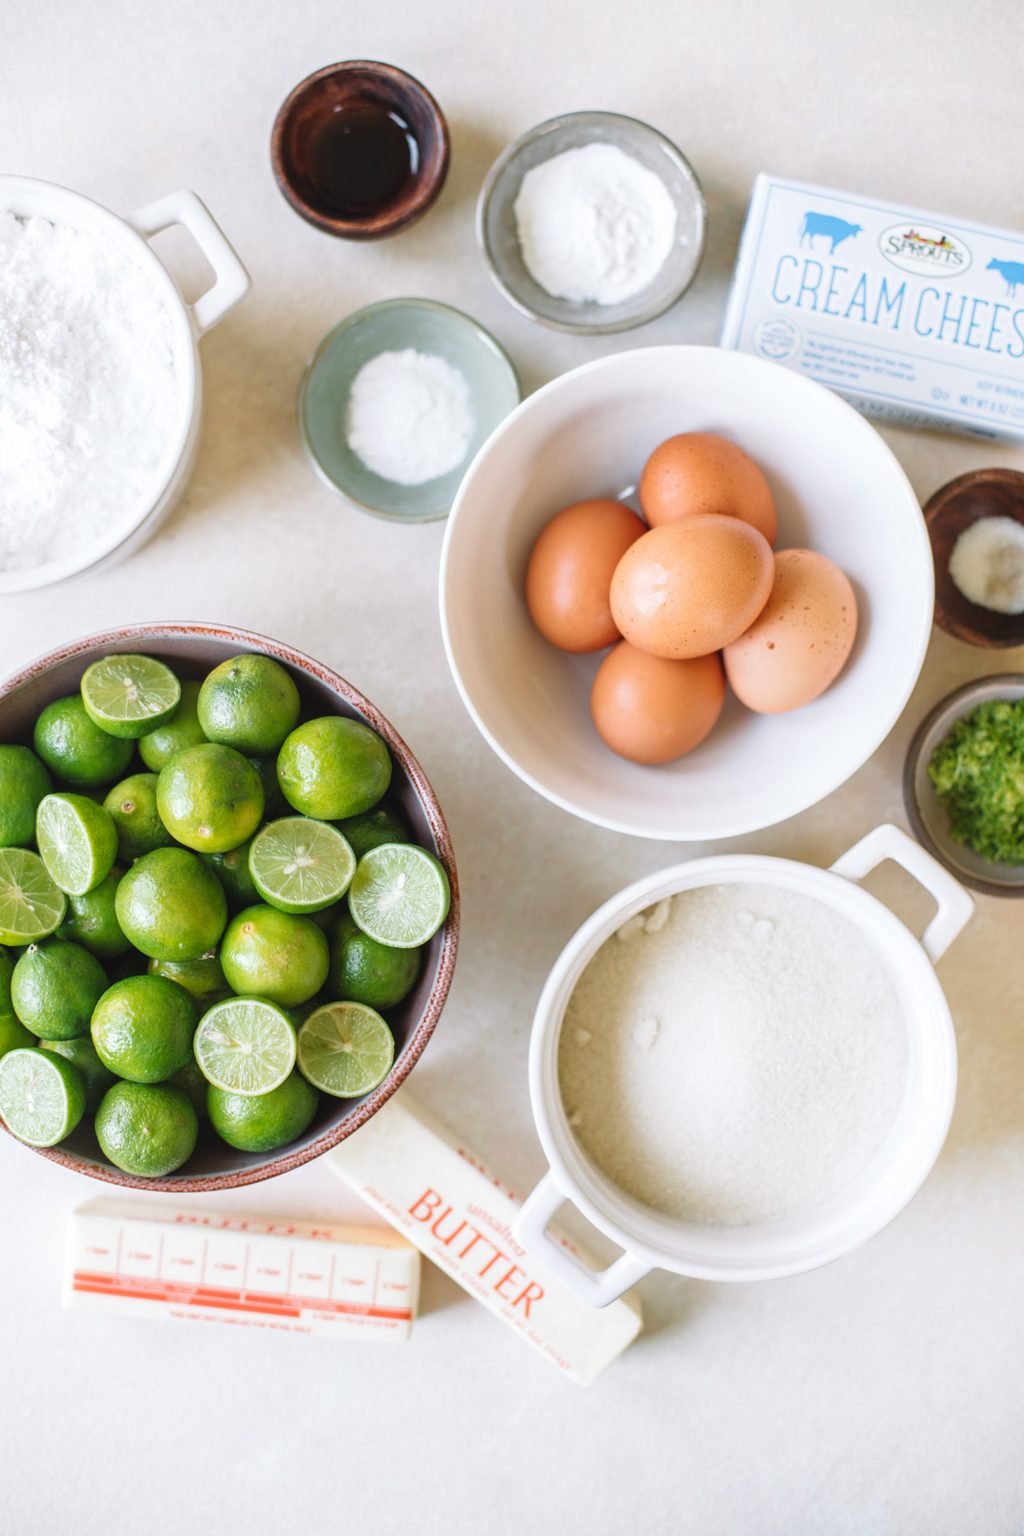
[
  {"x": 839, "y": 489},
  {"x": 27, "y": 197},
  {"x": 766, "y": 1250}
]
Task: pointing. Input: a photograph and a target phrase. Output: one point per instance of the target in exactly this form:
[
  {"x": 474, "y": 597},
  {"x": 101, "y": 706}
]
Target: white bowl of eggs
[{"x": 685, "y": 593}]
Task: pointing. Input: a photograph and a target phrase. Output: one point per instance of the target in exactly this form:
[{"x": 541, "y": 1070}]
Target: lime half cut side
[
  {"x": 31, "y": 905},
  {"x": 299, "y": 865},
  {"x": 42, "y": 1096},
  {"x": 399, "y": 895},
  {"x": 345, "y": 1049},
  {"x": 129, "y": 696},
  {"x": 77, "y": 841},
  {"x": 245, "y": 1045}
]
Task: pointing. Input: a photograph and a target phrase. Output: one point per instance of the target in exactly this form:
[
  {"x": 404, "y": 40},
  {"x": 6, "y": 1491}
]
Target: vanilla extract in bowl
[{"x": 361, "y": 159}]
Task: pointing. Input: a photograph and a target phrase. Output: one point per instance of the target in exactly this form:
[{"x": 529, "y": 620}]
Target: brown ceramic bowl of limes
[{"x": 261, "y": 905}]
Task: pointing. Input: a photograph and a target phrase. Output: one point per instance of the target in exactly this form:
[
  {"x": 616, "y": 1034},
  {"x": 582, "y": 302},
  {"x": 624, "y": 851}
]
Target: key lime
[
  {"x": 132, "y": 805},
  {"x": 31, "y": 906},
  {"x": 245, "y": 1045},
  {"x": 23, "y": 783},
  {"x": 13, "y": 1034},
  {"x": 181, "y": 730},
  {"x": 210, "y": 798},
  {"x": 399, "y": 895},
  {"x": 203, "y": 979},
  {"x": 170, "y": 906},
  {"x": 262, "y": 1122},
  {"x": 333, "y": 767},
  {"x": 55, "y": 987},
  {"x": 127, "y": 696},
  {"x": 266, "y": 953},
  {"x": 364, "y": 971},
  {"x": 345, "y": 1049},
  {"x": 250, "y": 703},
  {"x": 147, "y": 1129},
  {"x": 300, "y": 865},
  {"x": 91, "y": 920},
  {"x": 77, "y": 841},
  {"x": 192, "y": 1082},
  {"x": 371, "y": 828},
  {"x": 232, "y": 870},
  {"x": 274, "y": 803},
  {"x": 142, "y": 1028},
  {"x": 42, "y": 1096},
  {"x": 77, "y": 751},
  {"x": 82, "y": 1055}
]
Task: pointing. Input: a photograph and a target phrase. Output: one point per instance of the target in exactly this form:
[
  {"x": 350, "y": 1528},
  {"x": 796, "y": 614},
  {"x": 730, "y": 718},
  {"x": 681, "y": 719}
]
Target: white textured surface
[{"x": 880, "y": 1397}]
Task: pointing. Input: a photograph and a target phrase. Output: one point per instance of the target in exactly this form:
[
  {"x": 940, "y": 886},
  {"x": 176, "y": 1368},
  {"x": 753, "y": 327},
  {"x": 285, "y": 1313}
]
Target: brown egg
[
  {"x": 692, "y": 586},
  {"x": 699, "y": 472},
  {"x": 652, "y": 710},
  {"x": 569, "y": 577},
  {"x": 799, "y": 643}
]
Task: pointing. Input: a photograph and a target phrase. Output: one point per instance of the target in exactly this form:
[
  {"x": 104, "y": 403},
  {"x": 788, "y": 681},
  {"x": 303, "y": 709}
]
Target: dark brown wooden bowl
[
  {"x": 193, "y": 649},
  {"x": 355, "y": 83},
  {"x": 953, "y": 507}
]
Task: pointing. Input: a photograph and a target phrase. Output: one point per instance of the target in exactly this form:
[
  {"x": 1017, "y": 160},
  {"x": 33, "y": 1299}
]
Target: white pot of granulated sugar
[
  {"x": 100, "y": 380},
  {"x": 743, "y": 1067}
]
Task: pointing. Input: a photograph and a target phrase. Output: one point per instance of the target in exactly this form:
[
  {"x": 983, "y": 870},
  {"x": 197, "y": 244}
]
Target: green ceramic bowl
[{"x": 386, "y": 327}]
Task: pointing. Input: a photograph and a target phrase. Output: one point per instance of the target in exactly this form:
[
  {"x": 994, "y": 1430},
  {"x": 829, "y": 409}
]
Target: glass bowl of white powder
[
  {"x": 592, "y": 222},
  {"x": 396, "y": 401},
  {"x": 100, "y": 381}
]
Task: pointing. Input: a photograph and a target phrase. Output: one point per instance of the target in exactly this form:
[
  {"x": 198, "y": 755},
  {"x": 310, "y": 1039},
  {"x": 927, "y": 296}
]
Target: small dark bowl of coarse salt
[{"x": 976, "y": 527}]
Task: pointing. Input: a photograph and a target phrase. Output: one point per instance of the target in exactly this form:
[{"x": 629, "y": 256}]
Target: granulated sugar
[
  {"x": 87, "y": 389},
  {"x": 734, "y": 1056}
]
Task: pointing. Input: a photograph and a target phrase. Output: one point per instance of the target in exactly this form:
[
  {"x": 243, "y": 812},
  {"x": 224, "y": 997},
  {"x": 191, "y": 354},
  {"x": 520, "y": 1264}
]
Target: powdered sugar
[
  {"x": 88, "y": 399},
  {"x": 742, "y": 1061},
  {"x": 410, "y": 416},
  {"x": 594, "y": 224}
]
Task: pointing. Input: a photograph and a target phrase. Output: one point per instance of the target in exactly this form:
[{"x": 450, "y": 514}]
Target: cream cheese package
[
  {"x": 916, "y": 318},
  {"x": 325, "y": 1278},
  {"x": 438, "y": 1195}
]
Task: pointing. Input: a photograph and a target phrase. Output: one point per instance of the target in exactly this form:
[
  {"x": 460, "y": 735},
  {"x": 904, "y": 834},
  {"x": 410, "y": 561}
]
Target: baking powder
[
  {"x": 594, "y": 225},
  {"x": 88, "y": 401}
]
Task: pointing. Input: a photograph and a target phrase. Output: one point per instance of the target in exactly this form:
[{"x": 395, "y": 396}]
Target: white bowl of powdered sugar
[
  {"x": 100, "y": 384},
  {"x": 743, "y": 1067}
]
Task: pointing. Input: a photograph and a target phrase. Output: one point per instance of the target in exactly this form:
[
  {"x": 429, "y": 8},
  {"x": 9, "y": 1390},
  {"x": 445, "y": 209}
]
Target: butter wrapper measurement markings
[
  {"x": 914, "y": 317},
  {"x": 324, "y": 1278}
]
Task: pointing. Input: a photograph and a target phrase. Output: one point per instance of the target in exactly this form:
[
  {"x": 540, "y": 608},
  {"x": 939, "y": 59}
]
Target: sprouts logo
[{"x": 920, "y": 247}]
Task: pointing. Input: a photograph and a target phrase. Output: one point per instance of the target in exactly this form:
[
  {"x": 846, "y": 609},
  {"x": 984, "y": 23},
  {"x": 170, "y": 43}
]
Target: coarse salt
[
  {"x": 410, "y": 416},
  {"x": 987, "y": 564},
  {"x": 745, "y": 1062},
  {"x": 88, "y": 389}
]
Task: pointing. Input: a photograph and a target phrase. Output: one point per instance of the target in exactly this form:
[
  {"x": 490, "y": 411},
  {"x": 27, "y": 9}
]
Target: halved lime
[
  {"x": 345, "y": 1049},
  {"x": 245, "y": 1045},
  {"x": 77, "y": 841},
  {"x": 42, "y": 1096},
  {"x": 129, "y": 696},
  {"x": 399, "y": 895},
  {"x": 31, "y": 905},
  {"x": 299, "y": 865}
]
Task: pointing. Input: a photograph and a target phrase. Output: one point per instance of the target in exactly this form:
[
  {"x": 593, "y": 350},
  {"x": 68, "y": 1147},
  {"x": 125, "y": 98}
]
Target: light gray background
[{"x": 882, "y": 1395}]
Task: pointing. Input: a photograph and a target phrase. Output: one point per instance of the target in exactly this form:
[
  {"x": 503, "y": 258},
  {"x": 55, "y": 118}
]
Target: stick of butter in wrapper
[
  {"x": 437, "y": 1193},
  {"x": 915, "y": 317},
  {"x": 324, "y": 1278}
]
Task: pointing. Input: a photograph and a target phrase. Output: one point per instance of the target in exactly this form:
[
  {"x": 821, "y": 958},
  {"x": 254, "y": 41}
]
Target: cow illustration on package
[
  {"x": 1011, "y": 271},
  {"x": 835, "y": 230}
]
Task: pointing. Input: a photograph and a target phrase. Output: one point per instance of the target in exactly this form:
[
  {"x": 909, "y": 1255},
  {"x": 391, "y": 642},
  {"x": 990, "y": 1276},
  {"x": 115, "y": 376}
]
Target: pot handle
[
  {"x": 889, "y": 842},
  {"x": 231, "y": 280},
  {"x": 597, "y": 1287}
]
